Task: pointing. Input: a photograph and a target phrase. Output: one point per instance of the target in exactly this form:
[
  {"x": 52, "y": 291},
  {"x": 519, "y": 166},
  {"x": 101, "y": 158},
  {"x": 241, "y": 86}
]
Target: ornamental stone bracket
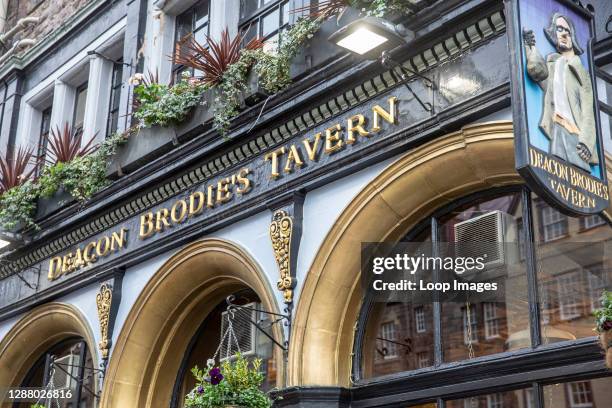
[
  {"x": 108, "y": 299},
  {"x": 285, "y": 235}
]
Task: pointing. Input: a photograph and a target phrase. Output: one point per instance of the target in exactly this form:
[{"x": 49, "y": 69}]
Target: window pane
[
  {"x": 509, "y": 399},
  {"x": 79, "y": 107},
  {"x": 270, "y": 23},
  {"x": 399, "y": 335},
  {"x": 201, "y": 13},
  {"x": 472, "y": 329},
  {"x": 595, "y": 393},
  {"x": 573, "y": 269}
]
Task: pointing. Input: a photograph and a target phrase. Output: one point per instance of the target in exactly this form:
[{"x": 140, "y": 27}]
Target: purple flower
[
  {"x": 200, "y": 390},
  {"x": 215, "y": 376},
  {"x": 607, "y": 325}
]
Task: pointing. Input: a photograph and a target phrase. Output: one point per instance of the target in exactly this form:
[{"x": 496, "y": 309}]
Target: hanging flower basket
[
  {"x": 236, "y": 383},
  {"x": 603, "y": 326},
  {"x": 606, "y": 343}
]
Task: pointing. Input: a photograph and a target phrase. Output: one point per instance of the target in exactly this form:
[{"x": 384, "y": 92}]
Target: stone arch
[
  {"x": 477, "y": 157},
  {"x": 35, "y": 333},
  {"x": 144, "y": 364}
]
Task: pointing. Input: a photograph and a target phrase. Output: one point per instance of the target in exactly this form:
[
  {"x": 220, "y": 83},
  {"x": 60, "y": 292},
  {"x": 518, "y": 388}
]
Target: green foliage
[
  {"x": 603, "y": 316},
  {"x": 37, "y": 406},
  {"x": 82, "y": 177},
  {"x": 382, "y": 8},
  {"x": 164, "y": 105},
  {"x": 272, "y": 70},
  {"x": 240, "y": 386},
  {"x": 17, "y": 206}
]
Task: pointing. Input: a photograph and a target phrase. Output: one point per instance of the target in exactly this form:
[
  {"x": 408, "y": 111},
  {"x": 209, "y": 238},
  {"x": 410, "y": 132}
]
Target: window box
[{"x": 49, "y": 205}]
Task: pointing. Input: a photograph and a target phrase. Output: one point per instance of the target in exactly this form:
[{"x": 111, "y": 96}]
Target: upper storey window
[
  {"x": 192, "y": 23},
  {"x": 78, "y": 117},
  {"x": 265, "y": 19}
]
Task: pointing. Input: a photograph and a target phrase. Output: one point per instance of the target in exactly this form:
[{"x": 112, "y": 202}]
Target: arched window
[
  {"x": 562, "y": 266},
  {"x": 206, "y": 342},
  {"x": 67, "y": 365}
]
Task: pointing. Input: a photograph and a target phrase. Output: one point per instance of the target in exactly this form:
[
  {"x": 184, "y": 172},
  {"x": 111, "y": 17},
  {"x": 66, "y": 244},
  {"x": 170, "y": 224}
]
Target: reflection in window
[
  {"x": 508, "y": 399},
  {"x": 596, "y": 393},
  {"x": 470, "y": 325},
  {"x": 592, "y": 221},
  {"x": 554, "y": 224},
  {"x": 387, "y": 342},
  {"x": 572, "y": 272},
  {"x": 489, "y": 328},
  {"x": 491, "y": 320},
  {"x": 419, "y": 319}
]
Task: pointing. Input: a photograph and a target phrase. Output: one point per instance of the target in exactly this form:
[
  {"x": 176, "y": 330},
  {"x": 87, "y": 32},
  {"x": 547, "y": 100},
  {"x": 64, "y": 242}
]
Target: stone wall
[{"x": 54, "y": 14}]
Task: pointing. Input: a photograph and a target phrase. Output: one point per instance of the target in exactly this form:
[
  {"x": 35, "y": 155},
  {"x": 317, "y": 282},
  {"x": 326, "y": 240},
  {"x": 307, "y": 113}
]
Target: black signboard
[{"x": 558, "y": 146}]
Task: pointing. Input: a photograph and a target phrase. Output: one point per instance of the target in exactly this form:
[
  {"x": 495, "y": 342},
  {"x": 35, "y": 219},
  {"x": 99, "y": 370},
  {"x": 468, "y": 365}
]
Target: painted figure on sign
[{"x": 568, "y": 117}]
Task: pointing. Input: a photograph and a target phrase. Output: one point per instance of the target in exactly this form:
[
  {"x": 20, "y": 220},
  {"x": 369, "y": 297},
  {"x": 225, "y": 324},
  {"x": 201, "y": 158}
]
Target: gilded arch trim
[
  {"x": 35, "y": 333},
  {"x": 478, "y": 157},
  {"x": 145, "y": 361}
]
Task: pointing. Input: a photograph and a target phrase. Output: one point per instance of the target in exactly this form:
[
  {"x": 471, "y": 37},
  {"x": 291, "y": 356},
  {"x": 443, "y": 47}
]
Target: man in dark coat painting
[{"x": 568, "y": 116}]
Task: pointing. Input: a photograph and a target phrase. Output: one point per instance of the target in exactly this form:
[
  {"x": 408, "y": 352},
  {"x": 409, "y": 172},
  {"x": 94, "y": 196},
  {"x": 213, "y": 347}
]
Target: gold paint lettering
[
  {"x": 273, "y": 158},
  {"x": 103, "y": 246},
  {"x": 182, "y": 212},
  {"x": 161, "y": 217},
  {"x": 223, "y": 193},
  {"x": 387, "y": 116},
  {"x": 118, "y": 240},
  {"x": 87, "y": 255},
  {"x": 193, "y": 208},
  {"x": 293, "y": 157},
  {"x": 243, "y": 181},
  {"x": 351, "y": 128},
  {"x": 146, "y": 225},
  {"x": 312, "y": 150},
  {"x": 333, "y": 142},
  {"x": 55, "y": 268}
]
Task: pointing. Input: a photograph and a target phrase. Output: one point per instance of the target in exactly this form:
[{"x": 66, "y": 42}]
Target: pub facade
[{"x": 253, "y": 214}]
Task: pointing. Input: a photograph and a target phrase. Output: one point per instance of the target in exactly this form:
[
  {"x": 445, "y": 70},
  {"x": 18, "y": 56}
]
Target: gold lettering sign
[
  {"x": 571, "y": 185},
  {"x": 181, "y": 210},
  {"x": 333, "y": 139},
  {"x": 88, "y": 254}
]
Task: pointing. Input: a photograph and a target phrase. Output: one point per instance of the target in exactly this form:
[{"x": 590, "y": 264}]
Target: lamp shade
[{"x": 368, "y": 37}]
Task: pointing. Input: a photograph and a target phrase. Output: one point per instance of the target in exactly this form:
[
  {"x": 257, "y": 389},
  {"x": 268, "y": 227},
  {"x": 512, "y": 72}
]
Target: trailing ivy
[
  {"x": 82, "y": 177},
  {"x": 17, "y": 206},
  {"x": 383, "y": 8},
  {"x": 164, "y": 105},
  {"x": 272, "y": 70}
]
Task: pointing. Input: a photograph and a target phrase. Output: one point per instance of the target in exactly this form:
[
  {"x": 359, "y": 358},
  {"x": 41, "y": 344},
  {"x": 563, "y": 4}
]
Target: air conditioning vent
[
  {"x": 488, "y": 234},
  {"x": 62, "y": 365},
  {"x": 244, "y": 330}
]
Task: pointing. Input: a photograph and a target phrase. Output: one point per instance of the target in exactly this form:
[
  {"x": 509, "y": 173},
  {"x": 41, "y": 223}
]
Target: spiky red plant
[
  {"x": 214, "y": 60},
  {"x": 66, "y": 145},
  {"x": 14, "y": 170},
  {"x": 324, "y": 9}
]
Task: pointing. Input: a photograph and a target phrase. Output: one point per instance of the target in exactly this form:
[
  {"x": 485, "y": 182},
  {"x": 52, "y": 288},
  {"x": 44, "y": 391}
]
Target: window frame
[
  {"x": 79, "y": 89},
  {"x": 487, "y": 365},
  {"x": 115, "y": 90},
  {"x": 256, "y": 18},
  {"x": 178, "y": 69},
  {"x": 45, "y": 359},
  {"x": 419, "y": 319}
]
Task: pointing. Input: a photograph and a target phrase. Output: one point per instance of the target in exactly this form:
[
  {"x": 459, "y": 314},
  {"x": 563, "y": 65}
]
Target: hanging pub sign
[{"x": 558, "y": 146}]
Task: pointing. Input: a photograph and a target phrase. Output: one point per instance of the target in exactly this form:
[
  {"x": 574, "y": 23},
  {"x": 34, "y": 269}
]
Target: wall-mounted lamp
[
  {"x": 370, "y": 37},
  {"x": 374, "y": 38}
]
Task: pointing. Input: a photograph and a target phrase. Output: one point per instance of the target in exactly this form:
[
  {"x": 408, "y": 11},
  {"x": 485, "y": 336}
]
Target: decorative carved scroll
[{"x": 281, "y": 231}]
